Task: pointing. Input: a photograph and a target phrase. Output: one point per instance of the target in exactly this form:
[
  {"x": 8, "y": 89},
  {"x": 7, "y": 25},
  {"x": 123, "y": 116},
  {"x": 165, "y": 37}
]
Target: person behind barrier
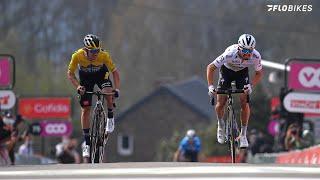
[
  {"x": 189, "y": 147},
  {"x": 307, "y": 138},
  {"x": 293, "y": 140},
  {"x": 66, "y": 152},
  {"x": 26, "y": 148}
]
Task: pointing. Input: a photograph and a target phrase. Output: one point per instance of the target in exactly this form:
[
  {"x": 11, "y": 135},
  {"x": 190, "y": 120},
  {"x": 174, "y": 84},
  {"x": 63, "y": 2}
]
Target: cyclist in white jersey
[{"x": 233, "y": 64}]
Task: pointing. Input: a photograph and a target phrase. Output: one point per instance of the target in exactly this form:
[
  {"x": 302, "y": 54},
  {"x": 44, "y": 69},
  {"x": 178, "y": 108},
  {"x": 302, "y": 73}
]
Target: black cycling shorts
[
  {"x": 100, "y": 78},
  {"x": 226, "y": 76}
]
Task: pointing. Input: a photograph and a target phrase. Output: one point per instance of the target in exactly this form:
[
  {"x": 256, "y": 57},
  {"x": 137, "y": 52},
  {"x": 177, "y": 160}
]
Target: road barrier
[{"x": 305, "y": 156}]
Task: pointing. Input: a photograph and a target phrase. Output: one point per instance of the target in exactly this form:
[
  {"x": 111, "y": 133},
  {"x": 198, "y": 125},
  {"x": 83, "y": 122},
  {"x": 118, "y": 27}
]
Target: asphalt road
[{"x": 160, "y": 170}]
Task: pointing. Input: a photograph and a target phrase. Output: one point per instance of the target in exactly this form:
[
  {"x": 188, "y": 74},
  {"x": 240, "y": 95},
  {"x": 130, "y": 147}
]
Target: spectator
[
  {"x": 6, "y": 129},
  {"x": 189, "y": 148},
  {"x": 8, "y": 137},
  {"x": 68, "y": 154},
  {"x": 293, "y": 140},
  {"x": 59, "y": 147},
  {"x": 11, "y": 121},
  {"x": 266, "y": 145},
  {"x": 259, "y": 142},
  {"x": 307, "y": 138},
  {"x": 254, "y": 142},
  {"x": 26, "y": 148}
]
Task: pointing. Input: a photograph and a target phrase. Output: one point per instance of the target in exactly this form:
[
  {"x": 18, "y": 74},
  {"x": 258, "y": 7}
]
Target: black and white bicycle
[
  {"x": 98, "y": 134},
  {"x": 232, "y": 128}
]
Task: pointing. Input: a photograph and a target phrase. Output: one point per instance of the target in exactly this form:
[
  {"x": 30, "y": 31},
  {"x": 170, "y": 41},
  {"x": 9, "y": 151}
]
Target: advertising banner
[
  {"x": 5, "y": 74},
  {"x": 55, "y": 128},
  {"x": 302, "y": 102},
  {"x": 304, "y": 76},
  {"x": 306, "y": 156},
  {"x": 45, "y": 108}
]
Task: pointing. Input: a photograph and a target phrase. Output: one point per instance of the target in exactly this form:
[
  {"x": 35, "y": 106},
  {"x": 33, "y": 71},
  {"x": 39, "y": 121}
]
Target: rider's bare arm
[
  {"x": 73, "y": 79},
  {"x": 116, "y": 79},
  {"x": 256, "y": 78},
  {"x": 176, "y": 155},
  {"x": 210, "y": 70}
]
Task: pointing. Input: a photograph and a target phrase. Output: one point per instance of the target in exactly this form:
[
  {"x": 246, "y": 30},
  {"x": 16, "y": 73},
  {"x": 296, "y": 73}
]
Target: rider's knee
[
  {"x": 108, "y": 90},
  {"x": 220, "y": 105},
  {"x": 85, "y": 110}
]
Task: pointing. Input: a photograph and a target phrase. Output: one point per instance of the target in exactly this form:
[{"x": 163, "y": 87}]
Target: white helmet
[
  {"x": 247, "y": 41},
  {"x": 190, "y": 133}
]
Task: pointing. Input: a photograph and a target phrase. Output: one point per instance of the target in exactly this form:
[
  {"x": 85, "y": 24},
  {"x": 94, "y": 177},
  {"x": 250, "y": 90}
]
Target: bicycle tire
[
  {"x": 102, "y": 131},
  {"x": 232, "y": 135},
  {"x": 94, "y": 137}
]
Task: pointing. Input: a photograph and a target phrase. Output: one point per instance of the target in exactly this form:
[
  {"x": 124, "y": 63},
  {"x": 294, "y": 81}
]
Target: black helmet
[{"x": 91, "y": 41}]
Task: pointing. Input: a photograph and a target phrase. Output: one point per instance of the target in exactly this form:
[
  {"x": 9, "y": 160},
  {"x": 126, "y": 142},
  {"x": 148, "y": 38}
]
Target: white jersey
[{"x": 231, "y": 59}]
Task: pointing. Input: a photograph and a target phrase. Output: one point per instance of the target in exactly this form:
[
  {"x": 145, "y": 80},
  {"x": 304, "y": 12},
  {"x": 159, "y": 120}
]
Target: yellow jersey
[{"x": 79, "y": 59}]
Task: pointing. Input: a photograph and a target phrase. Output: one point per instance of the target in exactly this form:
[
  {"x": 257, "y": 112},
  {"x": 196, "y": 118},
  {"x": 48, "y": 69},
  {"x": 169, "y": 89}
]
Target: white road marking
[
  {"x": 184, "y": 178},
  {"x": 164, "y": 171}
]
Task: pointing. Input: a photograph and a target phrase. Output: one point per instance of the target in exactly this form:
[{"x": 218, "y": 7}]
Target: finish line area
[{"x": 160, "y": 170}]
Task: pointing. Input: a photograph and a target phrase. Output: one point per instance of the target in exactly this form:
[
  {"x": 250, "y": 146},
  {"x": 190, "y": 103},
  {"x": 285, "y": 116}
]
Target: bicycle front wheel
[
  {"x": 94, "y": 138},
  {"x": 102, "y": 136},
  {"x": 232, "y": 143}
]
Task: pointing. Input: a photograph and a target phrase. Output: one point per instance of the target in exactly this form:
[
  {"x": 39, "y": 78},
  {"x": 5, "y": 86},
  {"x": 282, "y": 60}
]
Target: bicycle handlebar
[
  {"x": 98, "y": 93},
  {"x": 230, "y": 91}
]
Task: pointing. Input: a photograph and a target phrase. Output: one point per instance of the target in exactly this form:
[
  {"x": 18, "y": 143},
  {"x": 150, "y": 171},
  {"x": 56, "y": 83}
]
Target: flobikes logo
[{"x": 289, "y": 8}]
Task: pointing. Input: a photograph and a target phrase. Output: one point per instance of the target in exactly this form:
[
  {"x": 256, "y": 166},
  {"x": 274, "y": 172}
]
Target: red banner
[
  {"x": 307, "y": 156},
  {"x": 44, "y": 108}
]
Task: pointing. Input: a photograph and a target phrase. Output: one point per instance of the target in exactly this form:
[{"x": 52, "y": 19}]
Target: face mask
[{"x": 8, "y": 121}]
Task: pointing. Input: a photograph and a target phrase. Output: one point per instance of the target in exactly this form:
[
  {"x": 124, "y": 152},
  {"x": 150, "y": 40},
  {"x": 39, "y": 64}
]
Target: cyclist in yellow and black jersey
[{"x": 95, "y": 66}]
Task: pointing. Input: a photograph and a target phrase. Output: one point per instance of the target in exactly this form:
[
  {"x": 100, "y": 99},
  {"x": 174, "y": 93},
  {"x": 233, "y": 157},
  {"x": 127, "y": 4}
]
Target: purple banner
[
  {"x": 304, "y": 76},
  {"x": 5, "y": 72},
  {"x": 55, "y": 128}
]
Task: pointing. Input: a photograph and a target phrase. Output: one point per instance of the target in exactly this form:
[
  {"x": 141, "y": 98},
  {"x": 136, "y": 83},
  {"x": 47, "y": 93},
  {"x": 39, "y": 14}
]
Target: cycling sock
[
  {"x": 244, "y": 130},
  {"x": 110, "y": 113},
  {"x": 86, "y": 136}
]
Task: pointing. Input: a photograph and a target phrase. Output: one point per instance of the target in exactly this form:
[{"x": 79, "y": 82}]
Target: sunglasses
[
  {"x": 94, "y": 51},
  {"x": 246, "y": 51}
]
